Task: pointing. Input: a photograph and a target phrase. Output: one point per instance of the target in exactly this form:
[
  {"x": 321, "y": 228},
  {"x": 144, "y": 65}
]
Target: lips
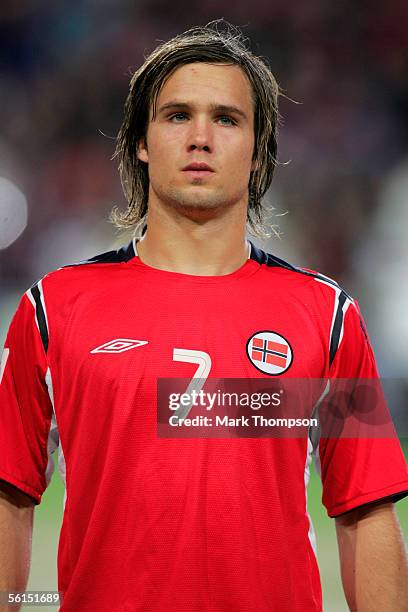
[{"x": 198, "y": 167}]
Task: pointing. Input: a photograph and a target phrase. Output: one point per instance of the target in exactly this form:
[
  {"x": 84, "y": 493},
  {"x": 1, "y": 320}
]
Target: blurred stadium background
[{"x": 64, "y": 71}]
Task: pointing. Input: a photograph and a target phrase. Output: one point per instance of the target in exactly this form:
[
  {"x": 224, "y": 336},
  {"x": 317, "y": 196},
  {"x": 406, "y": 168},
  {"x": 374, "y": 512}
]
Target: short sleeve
[
  {"x": 358, "y": 471},
  {"x": 26, "y": 412}
]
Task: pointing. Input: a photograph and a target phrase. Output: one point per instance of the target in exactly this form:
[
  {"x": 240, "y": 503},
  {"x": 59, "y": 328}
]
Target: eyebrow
[{"x": 221, "y": 108}]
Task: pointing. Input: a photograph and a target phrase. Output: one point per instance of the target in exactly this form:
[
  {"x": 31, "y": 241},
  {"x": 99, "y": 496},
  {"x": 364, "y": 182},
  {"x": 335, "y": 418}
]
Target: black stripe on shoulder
[
  {"x": 40, "y": 314},
  {"x": 337, "y": 326},
  {"x": 123, "y": 254},
  {"x": 271, "y": 260}
]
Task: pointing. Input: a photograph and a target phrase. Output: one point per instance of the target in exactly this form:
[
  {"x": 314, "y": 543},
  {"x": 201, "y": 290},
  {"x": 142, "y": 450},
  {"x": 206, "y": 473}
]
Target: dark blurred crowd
[{"x": 64, "y": 72}]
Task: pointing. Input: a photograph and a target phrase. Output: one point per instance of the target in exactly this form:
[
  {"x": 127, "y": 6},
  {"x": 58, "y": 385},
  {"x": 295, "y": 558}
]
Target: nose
[{"x": 200, "y": 137}]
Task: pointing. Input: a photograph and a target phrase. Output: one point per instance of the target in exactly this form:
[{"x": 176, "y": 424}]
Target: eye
[
  {"x": 178, "y": 117},
  {"x": 226, "y": 120}
]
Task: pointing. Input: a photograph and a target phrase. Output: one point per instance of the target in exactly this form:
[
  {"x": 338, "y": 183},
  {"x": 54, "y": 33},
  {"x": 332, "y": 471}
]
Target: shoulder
[
  {"x": 325, "y": 300},
  {"x": 301, "y": 278},
  {"x": 61, "y": 288},
  {"x": 92, "y": 268},
  {"x": 108, "y": 258},
  {"x": 118, "y": 256}
]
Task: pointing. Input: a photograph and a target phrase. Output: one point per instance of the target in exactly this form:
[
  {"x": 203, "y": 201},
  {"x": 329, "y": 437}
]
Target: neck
[{"x": 190, "y": 244}]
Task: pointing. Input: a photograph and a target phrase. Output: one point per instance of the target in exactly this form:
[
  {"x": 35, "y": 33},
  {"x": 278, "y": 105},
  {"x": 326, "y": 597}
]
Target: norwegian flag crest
[{"x": 269, "y": 352}]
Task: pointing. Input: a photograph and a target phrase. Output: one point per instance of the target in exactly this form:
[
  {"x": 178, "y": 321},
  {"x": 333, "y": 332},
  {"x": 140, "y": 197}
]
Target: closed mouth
[{"x": 198, "y": 167}]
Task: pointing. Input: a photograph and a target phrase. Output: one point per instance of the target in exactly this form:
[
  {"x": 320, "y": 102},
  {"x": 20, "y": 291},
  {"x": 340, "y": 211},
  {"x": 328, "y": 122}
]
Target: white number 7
[{"x": 203, "y": 360}]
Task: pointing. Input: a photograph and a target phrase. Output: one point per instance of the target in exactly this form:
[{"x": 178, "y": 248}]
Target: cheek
[
  {"x": 163, "y": 146},
  {"x": 162, "y": 160},
  {"x": 163, "y": 149},
  {"x": 240, "y": 160},
  {"x": 236, "y": 145}
]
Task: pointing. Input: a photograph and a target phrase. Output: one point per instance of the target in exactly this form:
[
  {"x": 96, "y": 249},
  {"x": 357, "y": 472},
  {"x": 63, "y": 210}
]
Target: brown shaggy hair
[{"x": 217, "y": 43}]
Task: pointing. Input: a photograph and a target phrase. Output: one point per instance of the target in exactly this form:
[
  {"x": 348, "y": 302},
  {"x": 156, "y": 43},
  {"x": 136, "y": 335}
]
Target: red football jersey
[{"x": 170, "y": 524}]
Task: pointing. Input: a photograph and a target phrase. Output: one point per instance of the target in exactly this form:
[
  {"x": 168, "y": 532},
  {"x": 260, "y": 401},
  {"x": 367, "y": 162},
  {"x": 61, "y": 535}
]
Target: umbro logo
[{"x": 119, "y": 345}]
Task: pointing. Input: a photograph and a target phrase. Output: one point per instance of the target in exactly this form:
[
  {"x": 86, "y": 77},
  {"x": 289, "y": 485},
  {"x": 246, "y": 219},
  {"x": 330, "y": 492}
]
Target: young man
[{"x": 188, "y": 523}]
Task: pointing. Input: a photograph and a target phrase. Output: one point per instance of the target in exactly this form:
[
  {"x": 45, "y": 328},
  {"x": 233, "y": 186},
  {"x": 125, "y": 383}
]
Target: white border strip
[{"x": 4, "y": 357}]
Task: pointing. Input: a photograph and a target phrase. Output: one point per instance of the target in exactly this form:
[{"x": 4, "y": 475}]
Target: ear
[{"x": 142, "y": 153}]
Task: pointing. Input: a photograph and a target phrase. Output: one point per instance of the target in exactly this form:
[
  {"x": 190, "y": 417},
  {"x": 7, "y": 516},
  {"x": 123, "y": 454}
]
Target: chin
[{"x": 199, "y": 199}]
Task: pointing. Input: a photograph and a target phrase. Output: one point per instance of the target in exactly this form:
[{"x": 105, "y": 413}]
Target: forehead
[{"x": 216, "y": 83}]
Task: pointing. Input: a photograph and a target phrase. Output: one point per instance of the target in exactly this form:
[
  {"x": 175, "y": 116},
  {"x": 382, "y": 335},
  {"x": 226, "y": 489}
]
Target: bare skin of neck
[{"x": 195, "y": 241}]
